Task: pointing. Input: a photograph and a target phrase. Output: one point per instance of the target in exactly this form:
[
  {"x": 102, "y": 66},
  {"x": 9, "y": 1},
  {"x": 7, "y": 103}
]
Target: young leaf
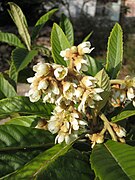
[
  {"x": 40, "y": 163},
  {"x": 87, "y": 37},
  {"x": 26, "y": 121},
  {"x": 23, "y": 105},
  {"x": 94, "y": 66},
  {"x": 114, "y": 51},
  {"x": 18, "y": 145},
  {"x": 41, "y": 22},
  {"x": 67, "y": 28},
  {"x": 22, "y": 57},
  {"x": 21, "y": 23},
  {"x": 128, "y": 111},
  {"x": 59, "y": 42},
  {"x": 104, "y": 83},
  {"x": 11, "y": 39},
  {"x": 6, "y": 88},
  {"x": 113, "y": 160}
]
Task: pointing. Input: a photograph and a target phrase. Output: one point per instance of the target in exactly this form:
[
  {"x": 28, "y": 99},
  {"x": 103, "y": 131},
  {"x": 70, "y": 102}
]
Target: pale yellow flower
[
  {"x": 60, "y": 72},
  {"x": 65, "y": 53},
  {"x": 69, "y": 90},
  {"x": 120, "y": 131},
  {"x": 66, "y": 124},
  {"x": 41, "y": 69},
  {"x": 129, "y": 87},
  {"x": 34, "y": 95},
  {"x": 89, "y": 81},
  {"x": 81, "y": 64},
  {"x": 84, "y": 48}
]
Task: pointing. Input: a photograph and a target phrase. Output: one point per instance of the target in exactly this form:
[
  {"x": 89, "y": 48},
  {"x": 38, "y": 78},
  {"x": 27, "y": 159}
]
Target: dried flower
[{"x": 95, "y": 138}]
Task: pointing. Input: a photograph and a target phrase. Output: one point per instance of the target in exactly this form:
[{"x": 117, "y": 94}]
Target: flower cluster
[
  {"x": 123, "y": 92},
  {"x": 68, "y": 88},
  {"x": 76, "y": 56}
]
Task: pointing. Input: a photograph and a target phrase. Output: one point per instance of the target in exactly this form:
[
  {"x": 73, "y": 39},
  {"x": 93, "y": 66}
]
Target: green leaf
[
  {"x": 23, "y": 105},
  {"x": 59, "y": 42},
  {"x": 41, "y": 22},
  {"x": 73, "y": 165},
  {"x": 114, "y": 51},
  {"x": 13, "y": 74},
  {"x": 104, "y": 83},
  {"x": 94, "y": 66},
  {"x": 87, "y": 37},
  {"x": 40, "y": 163},
  {"x": 67, "y": 28},
  {"x": 22, "y": 57},
  {"x": 18, "y": 145},
  {"x": 113, "y": 160},
  {"x": 11, "y": 39},
  {"x": 128, "y": 111},
  {"x": 6, "y": 88},
  {"x": 43, "y": 50},
  {"x": 26, "y": 121},
  {"x": 21, "y": 23},
  {"x": 15, "y": 137}
]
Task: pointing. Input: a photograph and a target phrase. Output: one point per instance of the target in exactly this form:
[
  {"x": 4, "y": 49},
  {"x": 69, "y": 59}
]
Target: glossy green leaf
[
  {"x": 18, "y": 145},
  {"x": 94, "y": 66},
  {"x": 40, "y": 163},
  {"x": 11, "y": 39},
  {"x": 22, "y": 57},
  {"x": 87, "y": 37},
  {"x": 59, "y": 42},
  {"x": 23, "y": 105},
  {"x": 114, "y": 51},
  {"x": 73, "y": 165},
  {"x": 21, "y": 23},
  {"x": 113, "y": 160},
  {"x": 128, "y": 111},
  {"x": 26, "y": 121},
  {"x": 104, "y": 83},
  {"x": 41, "y": 22},
  {"x": 67, "y": 28},
  {"x": 6, "y": 88}
]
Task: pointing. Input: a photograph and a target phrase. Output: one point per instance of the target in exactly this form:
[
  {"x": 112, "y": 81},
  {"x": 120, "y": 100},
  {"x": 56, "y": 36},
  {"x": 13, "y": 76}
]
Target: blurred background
[{"x": 97, "y": 16}]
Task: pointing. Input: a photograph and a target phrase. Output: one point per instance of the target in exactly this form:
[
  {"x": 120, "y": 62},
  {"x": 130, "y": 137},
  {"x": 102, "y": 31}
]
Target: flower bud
[{"x": 73, "y": 49}]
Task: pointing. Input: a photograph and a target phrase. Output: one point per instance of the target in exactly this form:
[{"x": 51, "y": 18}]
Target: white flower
[
  {"x": 66, "y": 124},
  {"x": 43, "y": 84},
  {"x": 65, "y": 53},
  {"x": 120, "y": 131},
  {"x": 130, "y": 93},
  {"x": 78, "y": 93},
  {"x": 34, "y": 95},
  {"x": 65, "y": 137},
  {"x": 69, "y": 90},
  {"x": 81, "y": 64},
  {"x": 60, "y": 73},
  {"x": 41, "y": 69},
  {"x": 134, "y": 102},
  {"x": 84, "y": 48},
  {"x": 88, "y": 99},
  {"x": 88, "y": 81}
]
